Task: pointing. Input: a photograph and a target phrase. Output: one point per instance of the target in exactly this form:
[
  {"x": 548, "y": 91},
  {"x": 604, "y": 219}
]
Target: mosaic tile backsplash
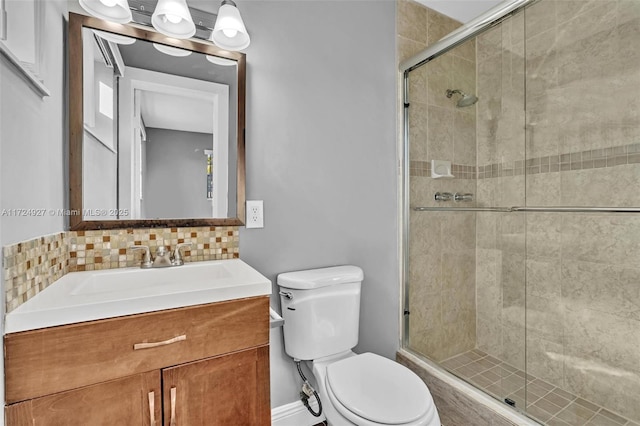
[{"x": 31, "y": 266}]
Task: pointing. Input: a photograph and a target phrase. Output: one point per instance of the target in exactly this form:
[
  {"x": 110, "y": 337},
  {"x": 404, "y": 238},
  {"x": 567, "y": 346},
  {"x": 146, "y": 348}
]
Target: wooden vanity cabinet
[
  {"x": 206, "y": 364},
  {"x": 236, "y": 380},
  {"x": 118, "y": 402}
]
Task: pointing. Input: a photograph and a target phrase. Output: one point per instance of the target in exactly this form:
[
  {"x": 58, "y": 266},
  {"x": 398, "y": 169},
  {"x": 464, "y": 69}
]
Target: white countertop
[{"x": 94, "y": 295}]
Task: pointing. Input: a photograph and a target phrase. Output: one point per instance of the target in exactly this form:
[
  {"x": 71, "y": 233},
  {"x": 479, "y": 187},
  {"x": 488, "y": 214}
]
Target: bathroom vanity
[{"x": 205, "y": 363}]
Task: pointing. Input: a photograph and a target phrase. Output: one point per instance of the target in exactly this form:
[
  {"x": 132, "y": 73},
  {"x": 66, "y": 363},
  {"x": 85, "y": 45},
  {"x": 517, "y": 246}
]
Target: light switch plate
[{"x": 255, "y": 214}]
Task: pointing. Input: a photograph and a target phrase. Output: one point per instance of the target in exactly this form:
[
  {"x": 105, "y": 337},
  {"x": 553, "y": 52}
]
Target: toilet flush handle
[{"x": 287, "y": 295}]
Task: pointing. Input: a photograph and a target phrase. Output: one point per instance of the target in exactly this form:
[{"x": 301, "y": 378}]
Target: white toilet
[{"x": 321, "y": 311}]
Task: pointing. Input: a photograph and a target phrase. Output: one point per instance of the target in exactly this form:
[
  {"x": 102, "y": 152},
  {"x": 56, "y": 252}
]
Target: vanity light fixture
[
  {"x": 175, "y": 19},
  {"x": 115, "y": 38},
  {"x": 172, "y": 18},
  {"x": 173, "y": 51},
  {"x": 221, "y": 61},
  {"x": 110, "y": 10},
  {"x": 229, "y": 32}
]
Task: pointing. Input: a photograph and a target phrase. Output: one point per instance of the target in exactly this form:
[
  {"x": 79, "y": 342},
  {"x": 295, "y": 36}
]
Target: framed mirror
[{"x": 156, "y": 129}]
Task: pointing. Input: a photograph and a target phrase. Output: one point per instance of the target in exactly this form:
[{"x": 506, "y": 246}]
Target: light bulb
[
  {"x": 108, "y": 3},
  {"x": 230, "y": 32},
  {"x": 174, "y": 19}
]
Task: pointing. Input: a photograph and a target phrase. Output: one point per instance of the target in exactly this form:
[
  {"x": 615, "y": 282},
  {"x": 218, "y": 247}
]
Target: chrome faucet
[
  {"x": 162, "y": 258},
  {"x": 146, "y": 257},
  {"x": 177, "y": 256}
]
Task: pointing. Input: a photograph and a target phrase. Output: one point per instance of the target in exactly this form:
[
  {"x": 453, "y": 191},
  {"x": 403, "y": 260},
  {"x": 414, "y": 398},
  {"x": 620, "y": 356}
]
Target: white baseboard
[{"x": 295, "y": 414}]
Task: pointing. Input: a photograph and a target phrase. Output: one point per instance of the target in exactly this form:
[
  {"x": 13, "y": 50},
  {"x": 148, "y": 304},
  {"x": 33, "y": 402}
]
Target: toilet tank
[{"x": 321, "y": 311}]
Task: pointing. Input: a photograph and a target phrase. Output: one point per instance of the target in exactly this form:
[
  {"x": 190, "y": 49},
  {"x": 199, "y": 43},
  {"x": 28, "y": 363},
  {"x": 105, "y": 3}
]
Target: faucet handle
[
  {"x": 146, "y": 257},
  {"x": 177, "y": 256}
]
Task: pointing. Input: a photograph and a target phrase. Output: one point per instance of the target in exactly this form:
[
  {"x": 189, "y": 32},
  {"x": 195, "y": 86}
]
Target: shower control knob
[
  {"x": 443, "y": 196},
  {"x": 463, "y": 197}
]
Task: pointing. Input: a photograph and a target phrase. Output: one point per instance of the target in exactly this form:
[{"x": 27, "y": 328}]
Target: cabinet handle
[
  {"x": 152, "y": 410},
  {"x": 173, "y": 407},
  {"x": 156, "y": 344}
]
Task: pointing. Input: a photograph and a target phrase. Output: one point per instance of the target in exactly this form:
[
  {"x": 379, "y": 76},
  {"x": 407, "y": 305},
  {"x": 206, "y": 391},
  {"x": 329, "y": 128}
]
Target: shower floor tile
[{"x": 546, "y": 403}]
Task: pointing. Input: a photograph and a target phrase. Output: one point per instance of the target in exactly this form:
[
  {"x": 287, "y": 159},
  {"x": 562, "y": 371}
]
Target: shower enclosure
[{"x": 522, "y": 208}]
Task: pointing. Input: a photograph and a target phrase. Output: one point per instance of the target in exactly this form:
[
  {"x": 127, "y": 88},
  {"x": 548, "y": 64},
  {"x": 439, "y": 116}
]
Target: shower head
[{"x": 465, "y": 100}]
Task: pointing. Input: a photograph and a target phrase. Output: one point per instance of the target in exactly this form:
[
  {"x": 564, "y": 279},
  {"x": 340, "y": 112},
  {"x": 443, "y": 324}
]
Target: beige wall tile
[
  {"x": 439, "y": 26},
  {"x": 545, "y": 360},
  {"x": 603, "y": 339},
  {"x": 407, "y": 48},
  {"x": 603, "y": 239},
  {"x": 464, "y": 138},
  {"x": 543, "y": 235},
  {"x": 412, "y": 20},
  {"x": 540, "y": 17},
  {"x": 489, "y": 44},
  {"x": 440, "y": 134},
  {"x": 544, "y": 277},
  {"x": 439, "y": 79},
  {"x": 418, "y": 132},
  {"x": 602, "y": 287},
  {"x": 545, "y": 318},
  {"x": 541, "y": 62},
  {"x": 418, "y": 85},
  {"x": 602, "y": 359},
  {"x": 489, "y": 334},
  {"x": 513, "y": 342},
  {"x": 543, "y": 189},
  {"x": 609, "y": 186}
]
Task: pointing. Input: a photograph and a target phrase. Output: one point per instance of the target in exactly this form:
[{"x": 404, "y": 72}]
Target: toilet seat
[{"x": 370, "y": 390}]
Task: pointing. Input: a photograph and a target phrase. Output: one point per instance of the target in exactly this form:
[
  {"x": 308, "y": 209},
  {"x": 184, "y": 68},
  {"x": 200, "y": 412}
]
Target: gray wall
[
  {"x": 176, "y": 174},
  {"x": 321, "y": 153},
  {"x": 98, "y": 176},
  {"x": 33, "y": 139},
  {"x": 33, "y": 143}
]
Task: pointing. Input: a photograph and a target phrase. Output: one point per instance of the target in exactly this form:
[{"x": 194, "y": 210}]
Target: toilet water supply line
[{"x": 307, "y": 392}]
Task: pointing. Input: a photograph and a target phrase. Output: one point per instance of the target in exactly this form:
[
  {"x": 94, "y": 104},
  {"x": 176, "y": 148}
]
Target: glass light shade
[
  {"x": 220, "y": 61},
  {"x": 115, "y": 38},
  {"x": 110, "y": 10},
  {"x": 229, "y": 32},
  {"x": 173, "y": 51},
  {"x": 172, "y": 18}
]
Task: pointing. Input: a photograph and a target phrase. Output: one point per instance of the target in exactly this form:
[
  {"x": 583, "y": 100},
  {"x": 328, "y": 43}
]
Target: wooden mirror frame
[{"x": 76, "y": 124}]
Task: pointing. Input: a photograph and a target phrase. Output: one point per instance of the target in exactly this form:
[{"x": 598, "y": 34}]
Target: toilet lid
[{"x": 378, "y": 389}]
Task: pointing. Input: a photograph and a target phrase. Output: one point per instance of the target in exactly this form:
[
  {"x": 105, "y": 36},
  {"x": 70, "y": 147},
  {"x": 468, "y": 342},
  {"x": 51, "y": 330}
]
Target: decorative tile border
[
  {"x": 582, "y": 160},
  {"x": 31, "y": 266},
  {"x": 108, "y": 249},
  {"x": 459, "y": 171}
]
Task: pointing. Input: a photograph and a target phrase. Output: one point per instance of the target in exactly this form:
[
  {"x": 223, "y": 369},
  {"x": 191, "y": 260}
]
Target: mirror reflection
[{"x": 159, "y": 131}]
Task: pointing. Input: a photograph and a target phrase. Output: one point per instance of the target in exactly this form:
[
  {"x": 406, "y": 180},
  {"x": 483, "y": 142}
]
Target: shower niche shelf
[{"x": 441, "y": 169}]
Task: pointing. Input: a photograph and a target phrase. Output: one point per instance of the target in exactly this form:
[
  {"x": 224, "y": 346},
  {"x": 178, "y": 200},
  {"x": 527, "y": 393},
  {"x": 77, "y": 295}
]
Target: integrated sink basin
[
  {"x": 92, "y": 295},
  {"x": 117, "y": 282}
]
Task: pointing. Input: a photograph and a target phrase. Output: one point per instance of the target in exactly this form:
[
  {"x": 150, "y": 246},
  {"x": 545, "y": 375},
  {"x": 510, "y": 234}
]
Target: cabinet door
[
  {"x": 227, "y": 390},
  {"x": 128, "y": 402}
]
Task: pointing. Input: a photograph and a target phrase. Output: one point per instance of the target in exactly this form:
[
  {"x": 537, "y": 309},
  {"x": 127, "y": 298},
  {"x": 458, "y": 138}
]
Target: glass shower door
[
  {"x": 466, "y": 269},
  {"x": 583, "y": 150}
]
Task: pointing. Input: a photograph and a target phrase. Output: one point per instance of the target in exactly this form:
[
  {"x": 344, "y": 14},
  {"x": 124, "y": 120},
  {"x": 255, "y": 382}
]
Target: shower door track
[{"x": 563, "y": 209}]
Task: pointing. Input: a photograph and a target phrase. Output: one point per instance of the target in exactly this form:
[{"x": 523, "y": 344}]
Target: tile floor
[{"x": 547, "y": 403}]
